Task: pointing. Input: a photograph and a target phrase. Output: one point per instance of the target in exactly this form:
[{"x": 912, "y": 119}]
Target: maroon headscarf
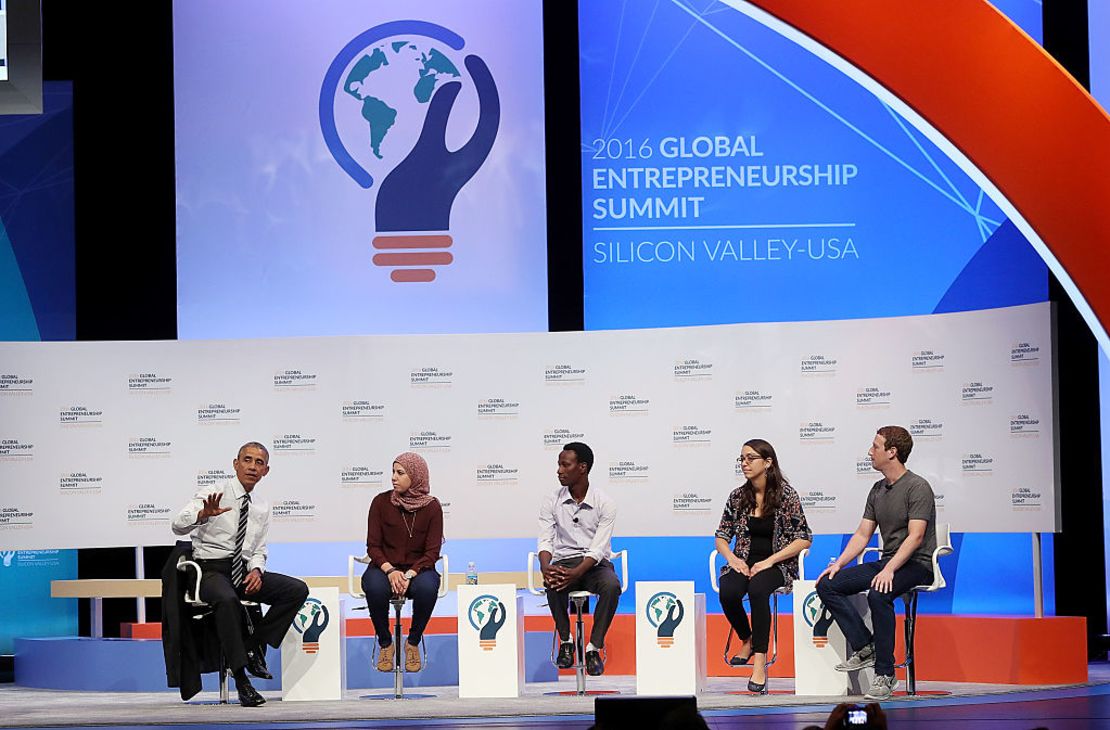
[{"x": 417, "y": 495}]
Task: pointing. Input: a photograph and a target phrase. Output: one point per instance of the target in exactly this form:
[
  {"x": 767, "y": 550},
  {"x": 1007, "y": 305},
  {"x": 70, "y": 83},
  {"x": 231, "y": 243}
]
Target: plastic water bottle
[{"x": 471, "y": 574}]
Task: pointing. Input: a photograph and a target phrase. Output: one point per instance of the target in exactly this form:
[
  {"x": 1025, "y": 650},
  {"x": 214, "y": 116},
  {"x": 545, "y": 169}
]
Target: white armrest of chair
[
  {"x": 713, "y": 570},
  {"x": 802, "y": 564},
  {"x": 863, "y": 555},
  {"x": 944, "y": 547},
  {"x": 352, "y": 588},
  {"x": 444, "y": 580},
  {"x": 622, "y": 555},
  {"x": 532, "y": 575},
  {"x": 182, "y": 565}
]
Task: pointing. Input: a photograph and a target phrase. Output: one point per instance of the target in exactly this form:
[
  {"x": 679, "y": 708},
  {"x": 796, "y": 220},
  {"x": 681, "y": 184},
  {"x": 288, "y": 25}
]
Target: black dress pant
[
  {"x": 759, "y": 589},
  {"x": 284, "y": 596},
  {"x": 600, "y": 580}
]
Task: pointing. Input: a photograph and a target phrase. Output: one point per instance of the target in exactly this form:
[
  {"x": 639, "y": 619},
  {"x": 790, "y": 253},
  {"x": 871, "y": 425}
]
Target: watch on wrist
[{"x": 410, "y": 574}]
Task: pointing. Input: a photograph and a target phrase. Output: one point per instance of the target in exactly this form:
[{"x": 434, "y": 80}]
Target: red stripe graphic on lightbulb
[{"x": 405, "y": 255}]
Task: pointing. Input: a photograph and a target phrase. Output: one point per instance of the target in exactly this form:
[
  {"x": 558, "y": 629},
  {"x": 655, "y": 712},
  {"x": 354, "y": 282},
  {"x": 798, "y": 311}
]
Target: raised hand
[
  {"x": 212, "y": 507},
  {"x": 417, "y": 195}
]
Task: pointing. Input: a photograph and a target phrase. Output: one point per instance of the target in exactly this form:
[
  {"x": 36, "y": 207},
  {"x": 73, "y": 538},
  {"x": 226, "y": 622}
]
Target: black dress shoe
[
  {"x": 248, "y": 695},
  {"x": 594, "y": 666},
  {"x": 565, "y": 659},
  {"x": 256, "y": 664}
]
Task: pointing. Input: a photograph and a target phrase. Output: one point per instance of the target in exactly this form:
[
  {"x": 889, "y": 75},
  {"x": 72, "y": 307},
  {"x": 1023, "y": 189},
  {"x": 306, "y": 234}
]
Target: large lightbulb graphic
[{"x": 412, "y": 209}]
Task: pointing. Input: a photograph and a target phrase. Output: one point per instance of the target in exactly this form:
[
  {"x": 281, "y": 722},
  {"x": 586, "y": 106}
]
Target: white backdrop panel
[{"x": 101, "y": 443}]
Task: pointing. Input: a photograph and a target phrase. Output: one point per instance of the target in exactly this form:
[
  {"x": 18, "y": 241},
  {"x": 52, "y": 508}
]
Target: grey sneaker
[
  {"x": 862, "y": 659},
  {"x": 882, "y": 688}
]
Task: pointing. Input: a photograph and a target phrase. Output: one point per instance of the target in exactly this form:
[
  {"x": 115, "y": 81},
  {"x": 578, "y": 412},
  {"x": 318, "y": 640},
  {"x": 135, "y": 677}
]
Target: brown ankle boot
[
  {"x": 385, "y": 659},
  {"x": 412, "y": 658}
]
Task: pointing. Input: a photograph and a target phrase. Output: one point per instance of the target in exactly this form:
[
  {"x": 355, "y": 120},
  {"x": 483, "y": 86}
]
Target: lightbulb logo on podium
[
  {"x": 310, "y": 622},
  {"x": 487, "y": 615},
  {"x": 817, "y": 617},
  {"x": 385, "y": 107},
  {"x": 665, "y": 612}
]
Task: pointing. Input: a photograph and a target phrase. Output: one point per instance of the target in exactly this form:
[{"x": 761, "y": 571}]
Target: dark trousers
[
  {"x": 857, "y": 579},
  {"x": 759, "y": 589},
  {"x": 600, "y": 580},
  {"x": 284, "y": 596},
  {"x": 423, "y": 590}
]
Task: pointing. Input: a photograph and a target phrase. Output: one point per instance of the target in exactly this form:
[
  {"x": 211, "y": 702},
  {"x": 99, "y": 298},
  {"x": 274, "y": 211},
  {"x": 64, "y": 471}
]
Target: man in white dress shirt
[
  {"x": 576, "y": 527},
  {"x": 220, "y": 530}
]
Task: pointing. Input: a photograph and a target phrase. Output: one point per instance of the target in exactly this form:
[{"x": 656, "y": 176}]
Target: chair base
[
  {"x": 585, "y": 693},
  {"x": 409, "y": 696}
]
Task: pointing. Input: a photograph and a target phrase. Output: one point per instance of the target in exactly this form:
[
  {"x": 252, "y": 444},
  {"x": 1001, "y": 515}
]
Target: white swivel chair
[
  {"x": 579, "y": 599},
  {"x": 354, "y": 587},
  {"x": 202, "y": 610},
  {"x": 713, "y": 555},
  {"x": 944, "y": 547}
]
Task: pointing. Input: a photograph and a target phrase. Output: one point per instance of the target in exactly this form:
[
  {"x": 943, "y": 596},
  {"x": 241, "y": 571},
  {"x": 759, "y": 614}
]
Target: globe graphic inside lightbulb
[{"x": 384, "y": 112}]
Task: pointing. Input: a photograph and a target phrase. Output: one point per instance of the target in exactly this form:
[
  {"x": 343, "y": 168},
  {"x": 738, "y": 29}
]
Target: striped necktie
[{"x": 238, "y": 567}]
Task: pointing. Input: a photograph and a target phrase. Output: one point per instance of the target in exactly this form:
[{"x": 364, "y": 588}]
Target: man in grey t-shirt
[{"x": 903, "y": 507}]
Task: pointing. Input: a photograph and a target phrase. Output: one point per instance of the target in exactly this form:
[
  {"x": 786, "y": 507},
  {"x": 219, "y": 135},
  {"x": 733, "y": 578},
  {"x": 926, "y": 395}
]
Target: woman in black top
[{"x": 764, "y": 515}]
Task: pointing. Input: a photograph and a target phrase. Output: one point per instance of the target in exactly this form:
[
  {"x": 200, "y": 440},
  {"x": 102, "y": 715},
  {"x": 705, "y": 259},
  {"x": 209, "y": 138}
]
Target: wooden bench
[{"x": 97, "y": 589}]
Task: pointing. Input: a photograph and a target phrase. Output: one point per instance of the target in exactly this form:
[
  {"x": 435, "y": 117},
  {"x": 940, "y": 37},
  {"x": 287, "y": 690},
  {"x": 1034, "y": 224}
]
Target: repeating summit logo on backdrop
[
  {"x": 385, "y": 103},
  {"x": 16, "y": 384}
]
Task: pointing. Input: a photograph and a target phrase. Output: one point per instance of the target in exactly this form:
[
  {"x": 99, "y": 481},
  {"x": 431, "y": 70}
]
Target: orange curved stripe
[{"x": 998, "y": 97}]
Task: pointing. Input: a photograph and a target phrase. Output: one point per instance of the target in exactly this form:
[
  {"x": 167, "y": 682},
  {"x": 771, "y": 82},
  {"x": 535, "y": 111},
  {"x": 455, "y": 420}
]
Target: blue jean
[
  {"x": 423, "y": 590},
  {"x": 857, "y": 579}
]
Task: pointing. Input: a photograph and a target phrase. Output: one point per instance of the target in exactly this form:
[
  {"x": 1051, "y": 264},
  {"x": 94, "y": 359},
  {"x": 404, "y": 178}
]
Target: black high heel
[
  {"x": 759, "y": 689},
  {"x": 739, "y": 661}
]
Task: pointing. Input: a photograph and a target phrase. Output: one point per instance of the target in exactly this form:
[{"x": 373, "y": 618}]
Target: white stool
[
  {"x": 774, "y": 655},
  {"x": 579, "y": 599},
  {"x": 203, "y": 610},
  {"x": 909, "y": 599},
  {"x": 398, "y": 603}
]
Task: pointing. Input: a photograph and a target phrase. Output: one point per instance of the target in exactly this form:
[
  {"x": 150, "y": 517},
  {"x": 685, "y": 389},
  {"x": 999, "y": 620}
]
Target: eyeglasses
[{"x": 749, "y": 458}]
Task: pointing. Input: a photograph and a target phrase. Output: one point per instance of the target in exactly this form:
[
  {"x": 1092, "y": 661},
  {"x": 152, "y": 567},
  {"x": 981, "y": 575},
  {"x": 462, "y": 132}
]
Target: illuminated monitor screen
[
  {"x": 351, "y": 167},
  {"x": 731, "y": 175}
]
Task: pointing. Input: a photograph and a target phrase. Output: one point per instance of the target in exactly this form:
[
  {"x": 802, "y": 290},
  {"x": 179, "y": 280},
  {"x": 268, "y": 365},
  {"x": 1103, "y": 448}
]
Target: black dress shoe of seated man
[
  {"x": 256, "y": 664},
  {"x": 565, "y": 660},
  {"x": 248, "y": 695},
  {"x": 594, "y": 666}
]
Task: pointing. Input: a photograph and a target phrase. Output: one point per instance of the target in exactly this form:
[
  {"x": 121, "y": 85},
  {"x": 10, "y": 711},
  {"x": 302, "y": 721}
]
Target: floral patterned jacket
[{"x": 789, "y": 525}]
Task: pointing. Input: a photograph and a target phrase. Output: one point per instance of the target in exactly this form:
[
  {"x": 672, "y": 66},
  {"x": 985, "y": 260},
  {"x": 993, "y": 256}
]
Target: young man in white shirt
[{"x": 576, "y": 527}]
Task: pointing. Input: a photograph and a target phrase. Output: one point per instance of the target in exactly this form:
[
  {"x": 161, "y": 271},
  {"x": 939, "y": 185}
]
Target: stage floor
[{"x": 997, "y": 706}]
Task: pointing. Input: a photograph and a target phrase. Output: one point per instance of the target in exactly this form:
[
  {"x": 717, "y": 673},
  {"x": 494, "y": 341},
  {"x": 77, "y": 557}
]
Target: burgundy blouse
[{"x": 387, "y": 534}]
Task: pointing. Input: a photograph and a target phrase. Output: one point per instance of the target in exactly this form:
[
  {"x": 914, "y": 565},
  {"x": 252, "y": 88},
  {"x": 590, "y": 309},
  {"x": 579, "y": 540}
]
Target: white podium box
[
  {"x": 313, "y": 661},
  {"x": 670, "y": 638},
  {"x": 491, "y": 641},
  {"x": 819, "y": 646}
]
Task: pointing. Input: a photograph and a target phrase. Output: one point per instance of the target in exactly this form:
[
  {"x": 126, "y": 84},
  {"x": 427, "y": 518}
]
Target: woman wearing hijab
[
  {"x": 404, "y": 531},
  {"x": 765, "y": 516}
]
